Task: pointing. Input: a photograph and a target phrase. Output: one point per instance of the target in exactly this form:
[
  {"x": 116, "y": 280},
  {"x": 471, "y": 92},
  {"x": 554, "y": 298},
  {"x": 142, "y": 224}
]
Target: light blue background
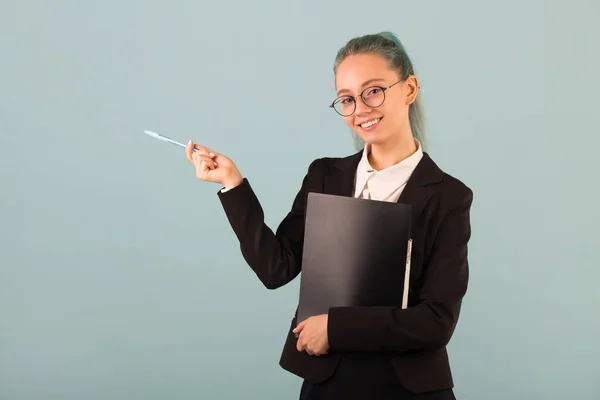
[{"x": 120, "y": 277}]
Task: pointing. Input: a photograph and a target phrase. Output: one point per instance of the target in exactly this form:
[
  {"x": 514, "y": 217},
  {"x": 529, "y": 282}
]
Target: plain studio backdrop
[{"x": 120, "y": 277}]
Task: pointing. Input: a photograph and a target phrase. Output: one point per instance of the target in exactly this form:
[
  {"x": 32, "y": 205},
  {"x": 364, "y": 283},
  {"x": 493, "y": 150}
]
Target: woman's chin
[{"x": 372, "y": 137}]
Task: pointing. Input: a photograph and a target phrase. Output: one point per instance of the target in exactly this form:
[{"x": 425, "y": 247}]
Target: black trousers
[{"x": 366, "y": 377}]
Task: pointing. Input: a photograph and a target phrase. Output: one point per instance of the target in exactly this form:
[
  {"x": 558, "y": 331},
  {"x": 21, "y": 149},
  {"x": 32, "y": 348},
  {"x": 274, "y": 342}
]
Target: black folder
[{"x": 356, "y": 253}]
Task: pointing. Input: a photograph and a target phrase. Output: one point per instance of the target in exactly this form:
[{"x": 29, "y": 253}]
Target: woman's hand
[
  {"x": 212, "y": 166},
  {"x": 313, "y": 335}
]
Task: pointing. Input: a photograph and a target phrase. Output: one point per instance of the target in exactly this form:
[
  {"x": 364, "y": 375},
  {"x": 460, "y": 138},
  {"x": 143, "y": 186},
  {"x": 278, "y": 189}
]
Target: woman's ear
[{"x": 412, "y": 89}]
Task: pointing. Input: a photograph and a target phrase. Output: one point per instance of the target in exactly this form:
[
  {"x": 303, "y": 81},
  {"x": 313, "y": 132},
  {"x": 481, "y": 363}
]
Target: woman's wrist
[{"x": 234, "y": 181}]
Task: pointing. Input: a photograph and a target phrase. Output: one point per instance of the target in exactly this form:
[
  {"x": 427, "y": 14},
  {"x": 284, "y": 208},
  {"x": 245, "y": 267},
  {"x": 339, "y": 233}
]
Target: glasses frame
[{"x": 383, "y": 89}]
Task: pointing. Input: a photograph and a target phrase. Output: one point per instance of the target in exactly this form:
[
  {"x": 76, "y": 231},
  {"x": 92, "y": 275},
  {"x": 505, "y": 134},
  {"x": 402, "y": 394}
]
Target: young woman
[{"x": 366, "y": 352}]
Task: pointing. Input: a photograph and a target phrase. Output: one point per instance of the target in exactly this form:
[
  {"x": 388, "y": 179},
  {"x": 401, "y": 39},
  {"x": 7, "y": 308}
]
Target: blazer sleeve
[
  {"x": 275, "y": 257},
  {"x": 430, "y": 323}
]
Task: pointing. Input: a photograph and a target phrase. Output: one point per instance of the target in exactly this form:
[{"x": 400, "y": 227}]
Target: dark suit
[{"x": 414, "y": 340}]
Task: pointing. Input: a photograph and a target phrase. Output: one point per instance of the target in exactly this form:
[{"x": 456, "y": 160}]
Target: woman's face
[{"x": 374, "y": 122}]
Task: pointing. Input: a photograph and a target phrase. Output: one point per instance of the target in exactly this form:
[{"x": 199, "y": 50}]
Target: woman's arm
[
  {"x": 275, "y": 257},
  {"x": 429, "y": 324}
]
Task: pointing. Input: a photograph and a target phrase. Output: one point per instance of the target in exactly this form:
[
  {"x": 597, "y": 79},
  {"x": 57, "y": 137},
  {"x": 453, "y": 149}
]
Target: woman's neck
[{"x": 385, "y": 155}]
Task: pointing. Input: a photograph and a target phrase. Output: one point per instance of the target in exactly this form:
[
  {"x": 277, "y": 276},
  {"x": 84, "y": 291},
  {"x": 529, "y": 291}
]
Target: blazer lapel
[
  {"x": 417, "y": 193},
  {"x": 341, "y": 180}
]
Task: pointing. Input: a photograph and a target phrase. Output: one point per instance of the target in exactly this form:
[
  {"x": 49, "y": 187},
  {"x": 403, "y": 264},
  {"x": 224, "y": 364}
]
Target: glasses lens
[
  {"x": 374, "y": 96},
  {"x": 344, "y": 106}
]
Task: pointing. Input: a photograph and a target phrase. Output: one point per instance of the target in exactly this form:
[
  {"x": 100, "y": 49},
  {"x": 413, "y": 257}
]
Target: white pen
[{"x": 166, "y": 139}]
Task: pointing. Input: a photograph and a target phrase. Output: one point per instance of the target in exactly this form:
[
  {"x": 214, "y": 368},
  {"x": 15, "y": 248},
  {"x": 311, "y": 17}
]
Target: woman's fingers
[
  {"x": 203, "y": 163},
  {"x": 188, "y": 151},
  {"x": 205, "y": 150},
  {"x": 206, "y": 161},
  {"x": 191, "y": 149}
]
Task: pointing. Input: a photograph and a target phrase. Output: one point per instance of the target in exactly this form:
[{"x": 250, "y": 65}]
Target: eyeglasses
[{"x": 373, "y": 96}]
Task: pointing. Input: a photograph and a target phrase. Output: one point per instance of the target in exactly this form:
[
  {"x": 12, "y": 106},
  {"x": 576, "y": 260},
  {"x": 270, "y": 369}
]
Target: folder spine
[{"x": 407, "y": 275}]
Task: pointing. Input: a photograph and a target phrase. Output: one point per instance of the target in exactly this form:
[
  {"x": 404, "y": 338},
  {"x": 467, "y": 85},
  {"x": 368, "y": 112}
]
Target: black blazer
[{"x": 414, "y": 339}]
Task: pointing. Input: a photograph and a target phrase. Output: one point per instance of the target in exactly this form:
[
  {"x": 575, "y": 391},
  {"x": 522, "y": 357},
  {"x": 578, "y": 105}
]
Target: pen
[{"x": 166, "y": 139}]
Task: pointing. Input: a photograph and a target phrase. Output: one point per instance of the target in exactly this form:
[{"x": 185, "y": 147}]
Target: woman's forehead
[{"x": 358, "y": 71}]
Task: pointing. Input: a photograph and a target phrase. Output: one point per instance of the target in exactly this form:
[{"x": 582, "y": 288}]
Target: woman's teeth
[{"x": 370, "y": 123}]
